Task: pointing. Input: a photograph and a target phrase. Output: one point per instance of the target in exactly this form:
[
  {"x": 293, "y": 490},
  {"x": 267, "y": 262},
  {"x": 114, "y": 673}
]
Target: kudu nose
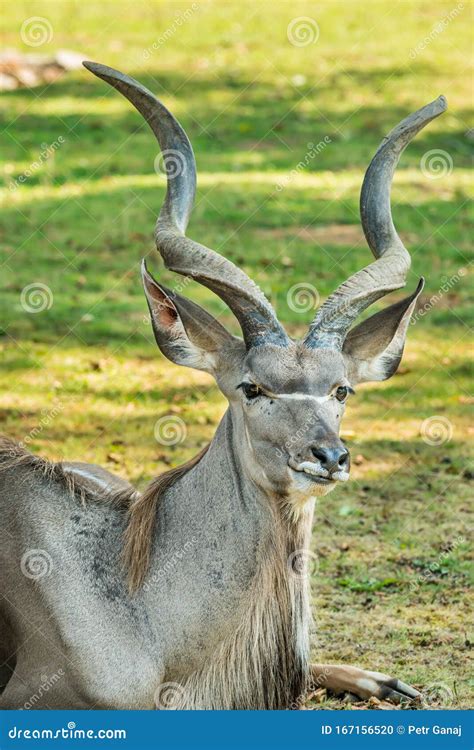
[{"x": 332, "y": 458}]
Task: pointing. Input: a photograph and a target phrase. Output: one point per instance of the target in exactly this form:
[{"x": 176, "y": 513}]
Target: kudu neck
[
  {"x": 231, "y": 445},
  {"x": 225, "y": 467},
  {"x": 240, "y": 560}
]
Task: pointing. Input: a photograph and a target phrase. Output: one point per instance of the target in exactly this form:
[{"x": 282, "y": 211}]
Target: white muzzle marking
[
  {"x": 341, "y": 476},
  {"x": 308, "y": 467}
]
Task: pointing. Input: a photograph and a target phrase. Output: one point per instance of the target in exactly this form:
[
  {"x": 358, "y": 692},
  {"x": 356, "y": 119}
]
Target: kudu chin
[{"x": 194, "y": 593}]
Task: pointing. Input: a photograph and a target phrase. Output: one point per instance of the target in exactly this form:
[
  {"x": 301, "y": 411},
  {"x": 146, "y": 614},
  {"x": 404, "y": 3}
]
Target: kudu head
[{"x": 287, "y": 398}]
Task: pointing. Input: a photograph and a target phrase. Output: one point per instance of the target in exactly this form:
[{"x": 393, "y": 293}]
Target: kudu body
[{"x": 213, "y": 614}]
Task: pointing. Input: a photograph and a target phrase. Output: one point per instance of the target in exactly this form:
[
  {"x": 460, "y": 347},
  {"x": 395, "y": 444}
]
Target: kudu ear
[
  {"x": 373, "y": 349},
  {"x": 185, "y": 333}
]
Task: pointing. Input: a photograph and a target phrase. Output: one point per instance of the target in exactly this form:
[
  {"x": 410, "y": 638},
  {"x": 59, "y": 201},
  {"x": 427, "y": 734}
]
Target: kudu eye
[
  {"x": 341, "y": 393},
  {"x": 250, "y": 390}
]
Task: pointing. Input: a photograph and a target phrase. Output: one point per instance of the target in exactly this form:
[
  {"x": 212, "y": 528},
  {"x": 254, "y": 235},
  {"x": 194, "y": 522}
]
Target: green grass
[{"x": 83, "y": 378}]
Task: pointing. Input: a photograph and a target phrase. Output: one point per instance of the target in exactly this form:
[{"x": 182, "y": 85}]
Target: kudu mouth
[{"x": 317, "y": 473}]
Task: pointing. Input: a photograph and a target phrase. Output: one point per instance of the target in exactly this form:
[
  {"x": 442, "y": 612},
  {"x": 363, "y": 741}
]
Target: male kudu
[{"x": 228, "y": 625}]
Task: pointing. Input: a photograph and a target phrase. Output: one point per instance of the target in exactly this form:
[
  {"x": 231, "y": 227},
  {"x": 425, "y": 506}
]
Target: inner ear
[
  {"x": 202, "y": 328},
  {"x": 373, "y": 349},
  {"x": 161, "y": 307},
  {"x": 184, "y": 332}
]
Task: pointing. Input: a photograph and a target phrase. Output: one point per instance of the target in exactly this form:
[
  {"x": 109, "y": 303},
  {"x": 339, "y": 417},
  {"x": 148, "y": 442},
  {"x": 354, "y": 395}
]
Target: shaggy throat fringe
[{"x": 264, "y": 665}]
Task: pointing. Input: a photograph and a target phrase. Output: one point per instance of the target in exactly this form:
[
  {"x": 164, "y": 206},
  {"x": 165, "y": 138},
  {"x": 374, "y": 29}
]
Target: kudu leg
[{"x": 339, "y": 678}]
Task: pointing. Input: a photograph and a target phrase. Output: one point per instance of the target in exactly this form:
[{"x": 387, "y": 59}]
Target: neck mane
[
  {"x": 263, "y": 662},
  {"x": 141, "y": 523}
]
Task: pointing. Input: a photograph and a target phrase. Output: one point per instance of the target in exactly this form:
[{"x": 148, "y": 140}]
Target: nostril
[
  {"x": 331, "y": 458},
  {"x": 320, "y": 455},
  {"x": 343, "y": 459}
]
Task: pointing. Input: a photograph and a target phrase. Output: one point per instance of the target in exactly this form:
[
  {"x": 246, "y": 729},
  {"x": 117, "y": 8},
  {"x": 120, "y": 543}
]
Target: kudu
[{"x": 212, "y": 615}]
